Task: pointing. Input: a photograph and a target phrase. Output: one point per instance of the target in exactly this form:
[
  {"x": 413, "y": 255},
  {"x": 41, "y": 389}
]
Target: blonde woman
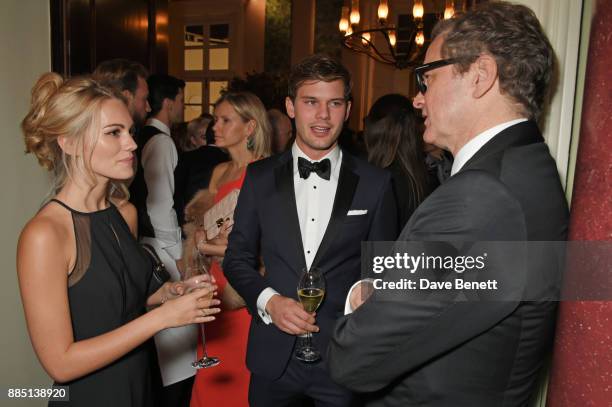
[
  {"x": 242, "y": 128},
  {"x": 84, "y": 280}
]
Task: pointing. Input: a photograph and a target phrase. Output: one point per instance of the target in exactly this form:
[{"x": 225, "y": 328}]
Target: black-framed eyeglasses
[{"x": 420, "y": 71}]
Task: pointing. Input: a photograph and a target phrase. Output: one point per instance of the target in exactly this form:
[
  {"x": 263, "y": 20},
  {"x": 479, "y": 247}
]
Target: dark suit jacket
[
  {"x": 266, "y": 224},
  {"x": 192, "y": 173},
  {"x": 471, "y": 353}
]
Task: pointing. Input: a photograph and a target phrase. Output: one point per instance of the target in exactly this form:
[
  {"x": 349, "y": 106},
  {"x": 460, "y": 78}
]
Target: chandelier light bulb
[
  {"x": 383, "y": 11},
  {"x": 355, "y": 17},
  {"x": 343, "y": 25},
  {"x": 392, "y": 38},
  {"x": 449, "y": 10},
  {"x": 365, "y": 39},
  {"x": 418, "y": 11},
  {"x": 420, "y": 38},
  {"x": 349, "y": 32}
]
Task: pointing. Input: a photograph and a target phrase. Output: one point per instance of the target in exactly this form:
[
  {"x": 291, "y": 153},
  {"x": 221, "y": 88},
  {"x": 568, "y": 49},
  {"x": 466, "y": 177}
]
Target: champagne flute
[
  {"x": 311, "y": 290},
  {"x": 199, "y": 264}
]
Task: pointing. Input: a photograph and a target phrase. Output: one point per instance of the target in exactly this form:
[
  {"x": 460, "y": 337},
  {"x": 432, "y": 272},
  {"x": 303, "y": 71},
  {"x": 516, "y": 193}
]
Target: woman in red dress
[{"x": 241, "y": 127}]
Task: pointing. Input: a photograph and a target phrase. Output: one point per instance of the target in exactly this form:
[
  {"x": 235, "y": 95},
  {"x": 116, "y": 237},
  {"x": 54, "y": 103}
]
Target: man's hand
[
  {"x": 360, "y": 293},
  {"x": 289, "y": 316}
]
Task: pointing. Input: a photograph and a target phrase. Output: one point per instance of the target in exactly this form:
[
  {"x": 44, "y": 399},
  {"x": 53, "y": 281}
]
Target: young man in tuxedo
[
  {"x": 481, "y": 90},
  {"x": 308, "y": 207}
]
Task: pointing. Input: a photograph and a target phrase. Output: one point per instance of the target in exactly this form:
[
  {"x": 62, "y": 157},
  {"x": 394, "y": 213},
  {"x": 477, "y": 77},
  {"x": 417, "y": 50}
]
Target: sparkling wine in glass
[
  {"x": 311, "y": 290},
  {"x": 200, "y": 268}
]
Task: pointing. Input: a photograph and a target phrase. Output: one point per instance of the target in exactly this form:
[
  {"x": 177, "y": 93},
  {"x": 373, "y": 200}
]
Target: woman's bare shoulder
[
  {"x": 217, "y": 174},
  {"x": 51, "y": 219},
  {"x": 48, "y": 231},
  {"x": 220, "y": 169}
]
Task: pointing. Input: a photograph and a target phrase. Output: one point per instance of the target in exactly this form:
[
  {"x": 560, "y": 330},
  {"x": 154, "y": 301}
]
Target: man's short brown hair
[
  {"x": 319, "y": 67},
  {"x": 120, "y": 74},
  {"x": 511, "y": 34}
]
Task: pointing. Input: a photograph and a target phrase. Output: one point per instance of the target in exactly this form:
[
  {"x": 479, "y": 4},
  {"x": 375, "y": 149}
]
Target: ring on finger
[{"x": 203, "y": 311}]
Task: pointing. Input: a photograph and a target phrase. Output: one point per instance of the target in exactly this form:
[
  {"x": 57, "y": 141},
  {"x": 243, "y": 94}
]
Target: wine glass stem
[
  {"x": 204, "y": 354},
  {"x": 308, "y": 340}
]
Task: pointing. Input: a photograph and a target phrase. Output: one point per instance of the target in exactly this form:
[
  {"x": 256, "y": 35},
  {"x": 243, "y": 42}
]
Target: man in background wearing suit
[
  {"x": 481, "y": 90},
  {"x": 152, "y": 194},
  {"x": 129, "y": 78},
  {"x": 308, "y": 207}
]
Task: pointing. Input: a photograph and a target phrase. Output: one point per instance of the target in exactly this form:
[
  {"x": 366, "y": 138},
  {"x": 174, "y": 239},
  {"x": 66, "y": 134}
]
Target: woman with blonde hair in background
[
  {"x": 196, "y": 131},
  {"x": 191, "y": 135},
  {"x": 242, "y": 128},
  {"x": 85, "y": 282}
]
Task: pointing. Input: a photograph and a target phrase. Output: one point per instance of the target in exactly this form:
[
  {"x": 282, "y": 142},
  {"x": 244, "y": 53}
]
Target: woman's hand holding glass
[
  {"x": 199, "y": 270},
  {"x": 173, "y": 289},
  {"x": 196, "y": 282},
  {"x": 195, "y": 306}
]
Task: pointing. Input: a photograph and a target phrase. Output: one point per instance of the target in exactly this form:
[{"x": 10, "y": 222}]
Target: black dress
[{"x": 107, "y": 288}]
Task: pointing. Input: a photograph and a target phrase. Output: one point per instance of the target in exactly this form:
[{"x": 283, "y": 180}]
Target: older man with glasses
[{"x": 481, "y": 92}]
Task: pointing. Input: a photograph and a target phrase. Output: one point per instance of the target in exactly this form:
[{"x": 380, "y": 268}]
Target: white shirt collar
[
  {"x": 335, "y": 157},
  {"x": 471, "y": 147},
  {"x": 158, "y": 125}
]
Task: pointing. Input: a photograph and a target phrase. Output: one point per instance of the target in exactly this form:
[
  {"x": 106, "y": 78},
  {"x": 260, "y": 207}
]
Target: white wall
[{"x": 24, "y": 55}]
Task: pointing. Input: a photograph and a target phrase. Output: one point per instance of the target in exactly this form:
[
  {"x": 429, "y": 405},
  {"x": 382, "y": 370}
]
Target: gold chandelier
[{"x": 381, "y": 42}]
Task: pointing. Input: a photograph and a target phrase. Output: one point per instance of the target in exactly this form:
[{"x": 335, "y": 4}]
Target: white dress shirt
[
  {"x": 159, "y": 159},
  {"x": 314, "y": 198},
  {"x": 176, "y": 347},
  {"x": 471, "y": 147}
]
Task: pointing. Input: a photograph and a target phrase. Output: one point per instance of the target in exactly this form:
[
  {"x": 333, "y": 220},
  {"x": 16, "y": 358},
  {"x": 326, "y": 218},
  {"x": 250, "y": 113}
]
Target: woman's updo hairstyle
[
  {"x": 44, "y": 148},
  {"x": 69, "y": 108}
]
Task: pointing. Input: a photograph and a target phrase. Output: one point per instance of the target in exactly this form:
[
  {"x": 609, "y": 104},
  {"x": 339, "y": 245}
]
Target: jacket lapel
[
  {"x": 347, "y": 183},
  {"x": 288, "y": 215},
  {"x": 520, "y": 134}
]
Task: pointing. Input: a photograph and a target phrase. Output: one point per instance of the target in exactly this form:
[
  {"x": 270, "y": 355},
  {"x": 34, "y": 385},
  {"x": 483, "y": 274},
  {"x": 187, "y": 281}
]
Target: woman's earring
[{"x": 250, "y": 143}]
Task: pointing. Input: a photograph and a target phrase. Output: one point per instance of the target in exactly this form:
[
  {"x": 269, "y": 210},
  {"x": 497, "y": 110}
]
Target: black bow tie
[{"x": 322, "y": 168}]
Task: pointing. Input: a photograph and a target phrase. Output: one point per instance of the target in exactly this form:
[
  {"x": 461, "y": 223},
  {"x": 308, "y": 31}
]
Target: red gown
[{"x": 226, "y": 384}]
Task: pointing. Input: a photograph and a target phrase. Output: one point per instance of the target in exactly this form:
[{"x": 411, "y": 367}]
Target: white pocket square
[{"x": 356, "y": 212}]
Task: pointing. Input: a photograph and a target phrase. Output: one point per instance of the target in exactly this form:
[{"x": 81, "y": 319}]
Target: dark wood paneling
[
  {"x": 122, "y": 30},
  {"x": 79, "y": 35},
  {"x": 159, "y": 37},
  {"x": 59, "y": 57},
  {"x": 87, "y": 32}
]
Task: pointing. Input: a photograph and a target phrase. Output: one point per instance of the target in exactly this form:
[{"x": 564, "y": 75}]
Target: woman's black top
[{"x": 108, "y": 288}]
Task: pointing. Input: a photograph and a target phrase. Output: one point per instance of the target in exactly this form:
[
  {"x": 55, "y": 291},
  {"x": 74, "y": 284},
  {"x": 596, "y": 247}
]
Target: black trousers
[
  {"x": 177, "y": 394},
  {"x": 299, "y": 383}
]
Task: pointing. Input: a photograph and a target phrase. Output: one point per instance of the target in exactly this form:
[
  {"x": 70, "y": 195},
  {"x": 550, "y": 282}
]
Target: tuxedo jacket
[
  {"x": 266, "y": 224},
  {"x": 470, "y": 353}
]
